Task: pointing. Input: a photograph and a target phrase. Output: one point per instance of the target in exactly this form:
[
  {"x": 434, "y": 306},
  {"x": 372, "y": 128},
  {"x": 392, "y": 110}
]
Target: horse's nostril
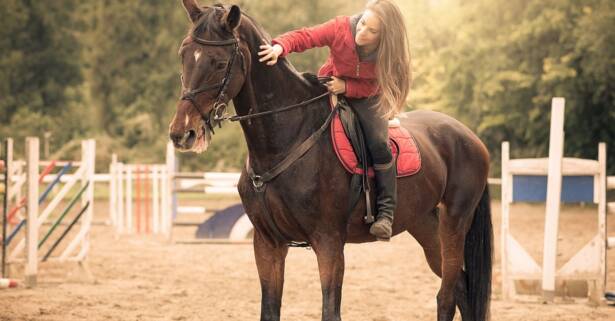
[{"x": 191, "y": 134}]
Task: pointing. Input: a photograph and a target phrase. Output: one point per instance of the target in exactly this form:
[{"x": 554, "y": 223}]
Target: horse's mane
[{"x": 200, "y": 26}]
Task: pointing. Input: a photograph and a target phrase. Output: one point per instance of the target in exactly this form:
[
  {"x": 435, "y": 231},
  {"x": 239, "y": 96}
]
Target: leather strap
[{"x": 259, "y": 181}]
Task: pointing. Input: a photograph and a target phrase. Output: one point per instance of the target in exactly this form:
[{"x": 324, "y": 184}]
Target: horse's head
[{"x": 212, "y": 74}]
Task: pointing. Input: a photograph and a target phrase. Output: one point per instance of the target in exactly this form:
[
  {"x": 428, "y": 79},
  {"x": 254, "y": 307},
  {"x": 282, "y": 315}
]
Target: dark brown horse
[{"x": 306, "y": 200}]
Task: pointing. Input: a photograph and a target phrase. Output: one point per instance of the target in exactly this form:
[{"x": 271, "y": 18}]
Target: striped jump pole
[
  {"x": 31, "y": 244},
  {"x": 63, "y": 214},
  {"x": 22, "y": 202},
  {"x": 7, "y": 283},
  {"x": 63, "y": 235}
]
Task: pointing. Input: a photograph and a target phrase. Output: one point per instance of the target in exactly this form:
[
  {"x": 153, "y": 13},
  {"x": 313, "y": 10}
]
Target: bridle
[
  {"x": 218, "y": 112},
  {"x": 215, "y": 115}
]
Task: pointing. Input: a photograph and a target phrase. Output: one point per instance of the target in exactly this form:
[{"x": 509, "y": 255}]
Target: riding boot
[{"x": 386, "y": 199}]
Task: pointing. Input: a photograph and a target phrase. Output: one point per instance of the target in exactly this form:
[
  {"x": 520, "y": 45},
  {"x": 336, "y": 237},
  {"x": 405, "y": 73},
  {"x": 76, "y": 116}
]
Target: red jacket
[{"x": 343, "y": 61}]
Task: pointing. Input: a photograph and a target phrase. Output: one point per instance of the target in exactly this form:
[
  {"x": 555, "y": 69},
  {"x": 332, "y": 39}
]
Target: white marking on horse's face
[
  {"x": 197, "y": 55},
  {"x": 187, "y": 120}
]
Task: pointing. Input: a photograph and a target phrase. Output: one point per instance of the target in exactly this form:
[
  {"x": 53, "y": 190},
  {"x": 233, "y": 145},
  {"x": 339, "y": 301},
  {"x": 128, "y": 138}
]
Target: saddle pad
[{"x": 402, "y": 146}]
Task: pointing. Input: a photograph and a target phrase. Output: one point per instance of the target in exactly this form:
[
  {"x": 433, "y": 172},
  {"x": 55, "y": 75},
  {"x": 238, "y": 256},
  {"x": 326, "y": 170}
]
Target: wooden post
[
  {"x": 129, "y": 198},
  {"x": 32, "y": 156},
  {"x": 146, "y": 199},
  {"x": 156, "y": 198},
  {"x": 120, "y": 199},
  {"x": 169, "y": 190},
  {"x": 137, "y": 199},
  {"x": 507, "y": 285},
  {"x": 554, "y": 189},
  {"x": 8, "y": 167},
  {"x": 602, "y": 233},
  {"x": 113, "y": 191}
]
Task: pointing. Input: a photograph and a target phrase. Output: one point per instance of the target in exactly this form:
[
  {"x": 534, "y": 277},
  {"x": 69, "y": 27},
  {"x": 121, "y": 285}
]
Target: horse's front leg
[
  {"x": 330, "y": 254},
  {"x": 270, "y": 264}
]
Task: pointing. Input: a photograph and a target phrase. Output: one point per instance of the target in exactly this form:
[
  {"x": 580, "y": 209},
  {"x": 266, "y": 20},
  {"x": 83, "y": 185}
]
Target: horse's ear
[
  {"x": 232, "y": 18},
  {"x": 193, "y": 10}
]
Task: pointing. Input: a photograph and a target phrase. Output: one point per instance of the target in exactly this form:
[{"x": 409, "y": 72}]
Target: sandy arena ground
[{"x": 143, "y": 278}]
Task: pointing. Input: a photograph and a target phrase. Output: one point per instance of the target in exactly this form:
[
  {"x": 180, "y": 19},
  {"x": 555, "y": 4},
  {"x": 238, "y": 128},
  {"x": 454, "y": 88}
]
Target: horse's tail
[{"x": 478, "y": 255}]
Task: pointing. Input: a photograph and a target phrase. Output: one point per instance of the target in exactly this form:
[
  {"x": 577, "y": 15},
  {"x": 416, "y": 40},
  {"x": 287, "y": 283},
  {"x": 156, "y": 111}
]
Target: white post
[
  {"x": 155, "y": 199},
  {"x": 120, "y": 198},
  {"x": 32, "y": 154},
  {"x": 113, "y": 191},
  {"x": 554, "y": 189},
  {"x": 170, "y": 189},
  {"x": 8, "y": 179},
  {"x": 129, "y": 199},
  {"x": 88, "y": 217},
  {"x": 601, "y": 284},
  {"x": 507, "y": 285}
]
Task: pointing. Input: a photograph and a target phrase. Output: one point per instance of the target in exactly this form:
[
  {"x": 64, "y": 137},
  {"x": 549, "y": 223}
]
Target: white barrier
[
  {"x": 589, "y": 264},
  {"x": 125, "y": 181},
  {"x": 133, "y": 214},
  {"x": 27, "y": 248}
]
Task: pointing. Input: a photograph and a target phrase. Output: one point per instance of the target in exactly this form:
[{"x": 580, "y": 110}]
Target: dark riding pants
[{"x": 375, "y": 128}]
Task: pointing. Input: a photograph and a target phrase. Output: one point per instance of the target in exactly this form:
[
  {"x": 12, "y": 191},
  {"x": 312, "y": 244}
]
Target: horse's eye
[{"x": 221, "y": 65}]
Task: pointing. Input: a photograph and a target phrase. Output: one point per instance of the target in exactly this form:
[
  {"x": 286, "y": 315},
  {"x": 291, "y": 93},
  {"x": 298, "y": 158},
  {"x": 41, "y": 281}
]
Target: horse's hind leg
[
  {"x": 270, "y": 264},
  {"x": 455, "y": 221}
]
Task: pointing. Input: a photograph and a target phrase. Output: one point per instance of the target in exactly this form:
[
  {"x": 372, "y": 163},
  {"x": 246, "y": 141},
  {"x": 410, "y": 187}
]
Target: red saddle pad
[{"x": 400, "y": 142}]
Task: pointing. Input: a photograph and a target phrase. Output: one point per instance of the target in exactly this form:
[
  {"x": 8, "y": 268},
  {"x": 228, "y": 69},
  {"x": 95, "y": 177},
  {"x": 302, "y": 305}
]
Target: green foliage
[
  {"x": 497, "y": 64},
  {"x": 109, "y": 70}
]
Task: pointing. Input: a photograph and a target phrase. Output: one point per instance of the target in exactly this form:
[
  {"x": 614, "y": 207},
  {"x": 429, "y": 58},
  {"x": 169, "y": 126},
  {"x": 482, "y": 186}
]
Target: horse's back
[{"x": 453, "y": 143}]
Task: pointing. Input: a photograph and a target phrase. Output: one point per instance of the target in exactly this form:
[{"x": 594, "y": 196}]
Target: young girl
[{"x": 369, "y": 62}]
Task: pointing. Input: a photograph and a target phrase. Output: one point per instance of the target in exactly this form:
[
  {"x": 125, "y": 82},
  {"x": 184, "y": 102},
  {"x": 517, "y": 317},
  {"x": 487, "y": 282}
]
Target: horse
[{"x": 295, "y": 190}]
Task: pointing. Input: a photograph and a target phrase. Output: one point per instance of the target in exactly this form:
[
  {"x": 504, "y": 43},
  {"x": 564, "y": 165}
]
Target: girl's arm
[{"x": 306, "y": 38}]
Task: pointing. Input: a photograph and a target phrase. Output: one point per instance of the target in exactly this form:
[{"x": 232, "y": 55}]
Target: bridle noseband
[{"x": 219, "y": 104}]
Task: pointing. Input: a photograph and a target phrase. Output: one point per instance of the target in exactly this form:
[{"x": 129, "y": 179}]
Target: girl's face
[{"x": 368, "y": 30}]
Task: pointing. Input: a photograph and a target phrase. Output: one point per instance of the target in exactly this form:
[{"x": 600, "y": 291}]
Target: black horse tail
[{"x": 478, "y": 255}]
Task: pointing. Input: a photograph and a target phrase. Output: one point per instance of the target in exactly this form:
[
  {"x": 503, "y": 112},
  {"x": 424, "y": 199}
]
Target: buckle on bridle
[
  {"x": 257, "y": 182},
  {"x": 219, "y": 109}
]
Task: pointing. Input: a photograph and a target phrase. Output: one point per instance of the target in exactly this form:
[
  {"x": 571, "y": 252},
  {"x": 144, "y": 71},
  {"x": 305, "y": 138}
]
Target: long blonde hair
[{"x": 393, "y": 59}]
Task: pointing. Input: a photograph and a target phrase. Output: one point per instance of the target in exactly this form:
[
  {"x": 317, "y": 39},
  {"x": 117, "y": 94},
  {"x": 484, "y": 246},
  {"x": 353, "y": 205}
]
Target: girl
[{"x": 369, "y": 62}]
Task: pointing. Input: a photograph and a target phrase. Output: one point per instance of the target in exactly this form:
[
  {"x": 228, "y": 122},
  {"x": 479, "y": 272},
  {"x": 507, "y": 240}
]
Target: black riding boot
[{"x": 386, "y": 199}]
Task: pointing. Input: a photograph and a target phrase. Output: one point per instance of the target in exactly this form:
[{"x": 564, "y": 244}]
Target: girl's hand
[
  {"x": 336, "y": 86},
  {"x": 270, "y": 53}
]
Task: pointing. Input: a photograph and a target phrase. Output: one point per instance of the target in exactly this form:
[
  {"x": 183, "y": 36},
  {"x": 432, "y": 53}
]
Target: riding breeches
[{"x": 375, "y": 128}]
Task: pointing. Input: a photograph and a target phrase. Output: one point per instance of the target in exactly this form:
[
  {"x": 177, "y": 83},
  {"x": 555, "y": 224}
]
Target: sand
[{"x": 146, "y": 278}]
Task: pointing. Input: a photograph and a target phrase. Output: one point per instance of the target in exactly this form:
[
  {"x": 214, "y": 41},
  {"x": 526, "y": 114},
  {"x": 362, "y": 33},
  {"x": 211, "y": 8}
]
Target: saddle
[{"x": 349, "y": 145}]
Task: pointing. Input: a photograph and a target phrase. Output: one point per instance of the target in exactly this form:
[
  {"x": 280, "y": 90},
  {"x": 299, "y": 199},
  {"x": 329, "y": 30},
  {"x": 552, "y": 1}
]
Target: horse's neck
[{"x": 270, "y": 138}]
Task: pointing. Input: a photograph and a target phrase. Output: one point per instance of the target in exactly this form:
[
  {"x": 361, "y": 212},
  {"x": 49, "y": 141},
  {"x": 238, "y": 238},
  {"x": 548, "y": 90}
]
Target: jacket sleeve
[
  {"x": 361, "y": 88},
  {"x": 306, "y": 38}
]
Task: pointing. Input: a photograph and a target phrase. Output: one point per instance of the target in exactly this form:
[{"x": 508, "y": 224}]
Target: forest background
[{"x": 109, "y": 70}]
